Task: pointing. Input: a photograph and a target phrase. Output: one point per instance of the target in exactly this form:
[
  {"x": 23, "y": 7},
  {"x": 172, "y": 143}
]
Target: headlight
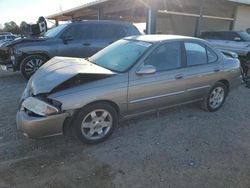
[
  {"x": 25, "y": 94},
  {"x": 39, "y": 107}
]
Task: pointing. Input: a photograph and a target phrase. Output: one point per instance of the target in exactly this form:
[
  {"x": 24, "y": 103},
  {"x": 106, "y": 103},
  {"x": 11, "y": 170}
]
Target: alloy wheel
[
  {"x": 96, "y": 124},
  {"x": 32, "y": 66},
  {"x": 216, "y": 97}
]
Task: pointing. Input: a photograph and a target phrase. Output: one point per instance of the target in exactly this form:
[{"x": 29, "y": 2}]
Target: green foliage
[
  {"x": 24, "y": 28},
  {"x": 11, "y": 27}
]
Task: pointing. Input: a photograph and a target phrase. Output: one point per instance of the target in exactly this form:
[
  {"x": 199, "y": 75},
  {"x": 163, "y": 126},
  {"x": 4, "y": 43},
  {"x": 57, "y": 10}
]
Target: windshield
[
  {"x": 54, "y": 31},
  {"x": 245, "y": 36},
  {"x": 120, "y": 55}
]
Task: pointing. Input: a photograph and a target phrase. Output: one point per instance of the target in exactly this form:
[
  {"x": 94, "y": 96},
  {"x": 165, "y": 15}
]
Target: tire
[
  {"x": 212, "y": 102},
  {"x": 91, "y": 127},
  {"x": 31, "y": 64}
]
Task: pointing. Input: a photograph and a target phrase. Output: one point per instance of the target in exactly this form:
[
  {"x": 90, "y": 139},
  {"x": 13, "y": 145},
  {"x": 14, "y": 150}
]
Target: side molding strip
[
  {"x": 155, "y": 97},
  {"x": 198, "y": 88}
]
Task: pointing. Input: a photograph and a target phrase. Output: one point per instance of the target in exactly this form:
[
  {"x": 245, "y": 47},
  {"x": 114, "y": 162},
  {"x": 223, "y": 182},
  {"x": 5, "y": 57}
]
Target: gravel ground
[{"x": 183, "y": 147}]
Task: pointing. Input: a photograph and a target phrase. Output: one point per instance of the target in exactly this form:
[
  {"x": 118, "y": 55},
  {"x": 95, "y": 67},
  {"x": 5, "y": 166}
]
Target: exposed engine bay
[{"x": 79, "y": 80}]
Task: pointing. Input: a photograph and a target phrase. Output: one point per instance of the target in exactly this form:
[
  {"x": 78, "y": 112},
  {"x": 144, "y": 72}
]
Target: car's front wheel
[
  {"x": 216, "y": 97},
  {"x": 95, "y": 123},
  {"x": 31, "y": 64}
]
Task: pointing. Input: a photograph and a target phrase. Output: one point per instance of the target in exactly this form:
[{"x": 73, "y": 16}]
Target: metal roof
[
  {"x": 247, "y": 2},
  {"x": 84, "y": 6},
  {"x": 89, "y": 10}
]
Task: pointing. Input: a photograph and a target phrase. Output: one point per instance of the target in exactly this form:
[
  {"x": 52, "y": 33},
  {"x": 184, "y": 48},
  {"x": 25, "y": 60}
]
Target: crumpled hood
[
  {"x": 60, "y": 69},
  {"x": 23, "y": 40}
]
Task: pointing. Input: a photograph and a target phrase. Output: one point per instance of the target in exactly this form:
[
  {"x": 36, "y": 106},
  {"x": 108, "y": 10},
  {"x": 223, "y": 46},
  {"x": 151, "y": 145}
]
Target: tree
[
  {"x": 1, "y": 28},
  {"x": 24, "y": 28},
  {"x": 11, "y": 27}
]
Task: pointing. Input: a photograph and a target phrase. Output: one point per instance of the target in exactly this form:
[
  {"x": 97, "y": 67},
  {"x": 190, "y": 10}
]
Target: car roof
[{"x": 159, "y": 38}]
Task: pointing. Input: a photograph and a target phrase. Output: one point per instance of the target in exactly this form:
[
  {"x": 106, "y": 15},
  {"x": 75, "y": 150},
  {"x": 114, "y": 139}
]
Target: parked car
[
  {"x": 76, "y": 39},
  {"x": 132, "y": 76},
  {"x": 235, "y": 41},
  {"x": 6, "y": 37}
]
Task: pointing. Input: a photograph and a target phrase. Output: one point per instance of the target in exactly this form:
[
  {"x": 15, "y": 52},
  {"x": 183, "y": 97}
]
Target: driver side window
[{"x": 165, "y": 57}]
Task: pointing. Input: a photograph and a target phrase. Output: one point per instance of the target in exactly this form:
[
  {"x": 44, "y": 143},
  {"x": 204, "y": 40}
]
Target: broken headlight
[{"x": 39, "y": 107}]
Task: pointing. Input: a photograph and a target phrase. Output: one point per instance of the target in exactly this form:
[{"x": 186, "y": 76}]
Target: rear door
[{"x": 202, "y": 69}]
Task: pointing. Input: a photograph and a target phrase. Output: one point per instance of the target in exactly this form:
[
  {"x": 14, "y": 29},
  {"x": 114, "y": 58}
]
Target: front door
[
  {"x": 165, "y": 87},
  {"x": 76, "y": 42}
]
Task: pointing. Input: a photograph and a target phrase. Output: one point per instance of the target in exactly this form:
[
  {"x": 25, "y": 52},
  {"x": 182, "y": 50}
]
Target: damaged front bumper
[
  {"x": 35, "y": 124},
  {"x": 40, "y": 127}
]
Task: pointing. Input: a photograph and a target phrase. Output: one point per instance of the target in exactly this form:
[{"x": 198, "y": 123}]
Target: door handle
[
  {"x": 217, "y": 70},
  {"x": 178, "y": 76},
  {"x": 86, "y": 44}
]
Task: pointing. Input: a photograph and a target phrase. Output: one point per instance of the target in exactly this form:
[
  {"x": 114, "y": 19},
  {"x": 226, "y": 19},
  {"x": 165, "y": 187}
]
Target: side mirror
[
  {"x": 66, "y": 39},
  {"x": 237, "y": 39},
  {"x": 146, "y": 69}
]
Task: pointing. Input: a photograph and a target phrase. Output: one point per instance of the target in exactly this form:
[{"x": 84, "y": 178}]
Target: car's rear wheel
[
  {"x": 31, "y": 64},
  {"x": 216, "y": 97},
  {"x": 95, "y": 123}
]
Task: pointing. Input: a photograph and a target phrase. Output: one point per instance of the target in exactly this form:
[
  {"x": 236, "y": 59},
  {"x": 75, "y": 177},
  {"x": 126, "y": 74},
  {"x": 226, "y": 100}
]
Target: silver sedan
[{"x": 132, "y": 76}]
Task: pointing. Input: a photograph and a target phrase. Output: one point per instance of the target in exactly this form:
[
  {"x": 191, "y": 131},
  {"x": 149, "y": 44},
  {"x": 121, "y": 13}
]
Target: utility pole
[{"x": 199, "y": 20}]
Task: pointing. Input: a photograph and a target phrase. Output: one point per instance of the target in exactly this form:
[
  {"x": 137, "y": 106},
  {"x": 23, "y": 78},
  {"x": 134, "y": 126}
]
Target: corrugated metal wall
[
  {"x": 185, "y": 25},
  {"x": 242, "y": 21}
]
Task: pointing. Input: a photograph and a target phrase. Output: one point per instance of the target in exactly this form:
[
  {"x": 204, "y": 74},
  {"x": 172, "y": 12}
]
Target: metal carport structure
[{"x": 186, "y": 17}]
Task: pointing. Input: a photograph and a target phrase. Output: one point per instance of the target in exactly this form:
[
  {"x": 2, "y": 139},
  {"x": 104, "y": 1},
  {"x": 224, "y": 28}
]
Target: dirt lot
[{"x": 184, "y": 147}]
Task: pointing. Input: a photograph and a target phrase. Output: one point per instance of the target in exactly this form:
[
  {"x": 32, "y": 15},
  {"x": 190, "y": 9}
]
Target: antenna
[{"x": 60, "y": 6}]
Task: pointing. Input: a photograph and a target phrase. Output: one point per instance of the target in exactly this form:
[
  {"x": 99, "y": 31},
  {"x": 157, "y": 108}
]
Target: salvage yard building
[{"x": 183, "y": 17}]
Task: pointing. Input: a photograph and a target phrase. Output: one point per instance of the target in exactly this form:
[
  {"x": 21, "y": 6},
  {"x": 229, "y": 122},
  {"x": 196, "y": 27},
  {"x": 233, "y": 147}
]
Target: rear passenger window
[
  {"x": 212, "y": 57},
  {"x": 166, "y": 57},
  {"x": 119, "y": 31},
  {"x": 196, "y": 54},
  {"x": 107, "y": 31}
]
